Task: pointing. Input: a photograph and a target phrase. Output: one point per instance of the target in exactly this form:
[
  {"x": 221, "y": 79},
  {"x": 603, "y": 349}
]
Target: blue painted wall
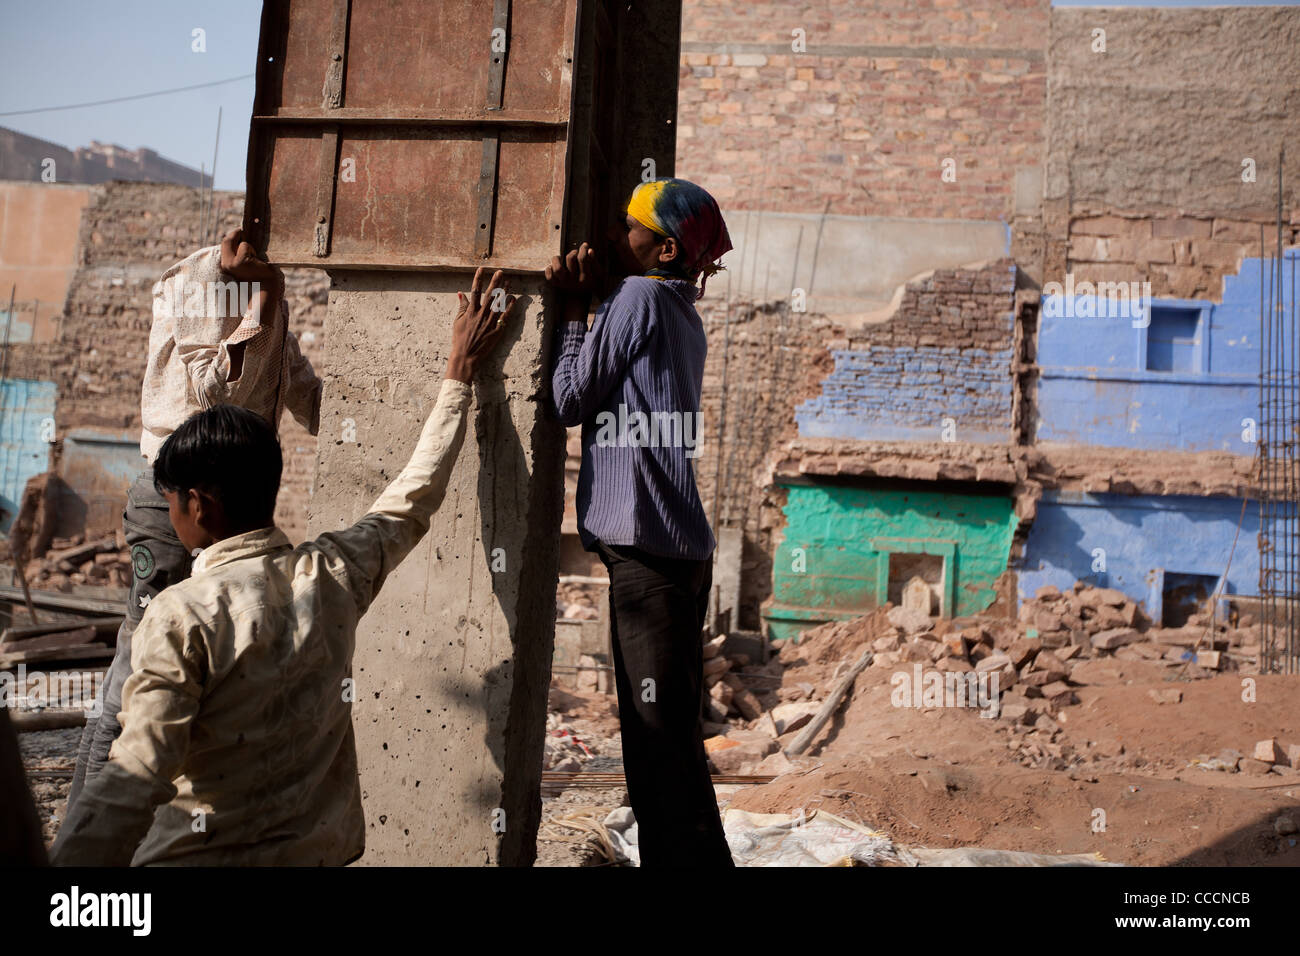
[
  {"x": 1140, "y": 536},
  {"x": 1095, "y": 387},
  {"x": 897, "y": 393},
  {"x": 26, "y": 411}
]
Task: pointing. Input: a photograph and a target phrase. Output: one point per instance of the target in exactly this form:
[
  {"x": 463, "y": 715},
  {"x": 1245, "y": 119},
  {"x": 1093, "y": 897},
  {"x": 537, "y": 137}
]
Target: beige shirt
[
  {"x": 197, "y": 316},
  {"x": 236, "y": 719}
]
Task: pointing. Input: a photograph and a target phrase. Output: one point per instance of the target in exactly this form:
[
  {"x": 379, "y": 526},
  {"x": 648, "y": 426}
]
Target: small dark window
[
  {"x": 1173, "y": 340},
  {"x": 1187, "y": 595}
]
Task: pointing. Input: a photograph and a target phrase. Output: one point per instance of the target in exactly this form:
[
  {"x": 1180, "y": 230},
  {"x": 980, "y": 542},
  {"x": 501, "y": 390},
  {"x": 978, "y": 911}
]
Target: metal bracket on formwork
[
  {"x": 487, "y": 176},
  {"x": 329, "y": 161},
  {"x": 332, "y": 92},
  {"x": 331, "y": 99}
]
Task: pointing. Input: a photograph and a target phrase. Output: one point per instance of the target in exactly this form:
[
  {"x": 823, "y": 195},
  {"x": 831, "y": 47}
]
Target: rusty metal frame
[{"x": 493, "y": 124}]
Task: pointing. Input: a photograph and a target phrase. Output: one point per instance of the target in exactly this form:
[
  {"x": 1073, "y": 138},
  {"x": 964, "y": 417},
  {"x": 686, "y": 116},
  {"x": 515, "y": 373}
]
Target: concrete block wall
[{"x": 940, "y": 369}]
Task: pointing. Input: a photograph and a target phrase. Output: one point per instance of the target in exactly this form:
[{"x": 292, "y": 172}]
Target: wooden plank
[
  {"x": 25, "y": 632},
  {"x": 423, "y": 96},
  {"x": 82, "y": 550},
  {"x": 332, "y": 92},
  {"x": 70, "y": 638},
  {"x": 69, "y": 602},
  {"x": 487, "y": 195},
  {"x": 326, "y": 182},
  {"x": 470, "y": 116},
  {"x": 79, "y": 652},
  {"x": 499, "y": 49},
  {"x": 832, "y": 704},
  {"x": 49, "y": 719}
]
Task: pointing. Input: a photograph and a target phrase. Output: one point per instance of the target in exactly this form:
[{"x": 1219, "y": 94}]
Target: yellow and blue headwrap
[{"x": 684, "y": 211}]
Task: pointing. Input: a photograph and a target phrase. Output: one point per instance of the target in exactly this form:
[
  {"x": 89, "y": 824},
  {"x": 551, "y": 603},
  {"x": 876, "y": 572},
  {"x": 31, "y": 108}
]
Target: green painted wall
[{"x": 835, "y": 527}]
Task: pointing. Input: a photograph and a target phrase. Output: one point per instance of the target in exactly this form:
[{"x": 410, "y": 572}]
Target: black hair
[{"x": 230, "y": 453}]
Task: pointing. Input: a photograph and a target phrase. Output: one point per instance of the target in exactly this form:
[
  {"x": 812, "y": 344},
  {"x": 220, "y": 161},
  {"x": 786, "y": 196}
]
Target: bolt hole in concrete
[{"x": 916, "y": 580}]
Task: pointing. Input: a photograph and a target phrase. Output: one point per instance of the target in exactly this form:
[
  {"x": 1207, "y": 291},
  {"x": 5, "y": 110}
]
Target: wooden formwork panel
[{"x": 408, "y": 134}]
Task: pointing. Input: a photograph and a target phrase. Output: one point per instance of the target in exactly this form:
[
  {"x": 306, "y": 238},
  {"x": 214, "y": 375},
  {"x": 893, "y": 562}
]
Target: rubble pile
[
  {"x": 564, "y": 751},
  {"x": 1103, "y": 622},
  {"x": 101, "y": 562},
  {"x": 579, "y": 601},
  {"x": 733, "y": 684},
  {"x": 1267, "y": 756},
  {"x": 1036, "y": 659}
]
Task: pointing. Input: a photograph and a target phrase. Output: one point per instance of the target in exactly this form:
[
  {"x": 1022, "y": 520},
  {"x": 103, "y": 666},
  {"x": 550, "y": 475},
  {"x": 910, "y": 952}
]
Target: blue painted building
[
  {"x": 26, "y": 430},
  {"x": 1147, "y": 546},
  {"x": 914, "y": 393},
  {"x": 1178, "y": 374},
  {"x": 1175, "y": 375}
]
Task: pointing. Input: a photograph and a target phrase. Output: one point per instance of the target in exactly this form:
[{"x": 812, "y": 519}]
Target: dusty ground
[
  {"x": 1133, "y": 788},
  {"x": 946, "y": 778},
  {"x": 49, "y": 757}
]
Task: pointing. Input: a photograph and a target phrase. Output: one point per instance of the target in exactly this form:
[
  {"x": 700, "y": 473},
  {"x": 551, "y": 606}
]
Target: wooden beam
[{"x": 67, "y": 602}]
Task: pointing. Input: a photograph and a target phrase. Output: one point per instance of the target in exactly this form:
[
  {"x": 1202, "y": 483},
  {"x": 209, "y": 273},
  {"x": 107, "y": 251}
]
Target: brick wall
[
  {"x": 129, "y": 234},
  {"x": 1177, "y": 198},
  {"x": 766, "y": 362},
  {"x": 944, "y": 358},
  {"x": 762, "y": 362},
  {"x": 864, "y": 118}
]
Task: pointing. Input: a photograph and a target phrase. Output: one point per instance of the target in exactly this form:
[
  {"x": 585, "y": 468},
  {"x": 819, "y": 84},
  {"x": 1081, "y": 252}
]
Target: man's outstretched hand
[{"x": 479, "y": 325}]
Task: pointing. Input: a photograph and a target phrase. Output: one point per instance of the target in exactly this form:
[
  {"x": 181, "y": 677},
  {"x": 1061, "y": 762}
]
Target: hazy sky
[{"x": 58, "y": 52}]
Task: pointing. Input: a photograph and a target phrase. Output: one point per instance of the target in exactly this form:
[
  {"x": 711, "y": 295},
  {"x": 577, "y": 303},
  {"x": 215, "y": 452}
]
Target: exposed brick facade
[
  {"x": 940, "y": 368},
  {"x": 773, "y": 360},
  {"x": 860, "y": 123}
]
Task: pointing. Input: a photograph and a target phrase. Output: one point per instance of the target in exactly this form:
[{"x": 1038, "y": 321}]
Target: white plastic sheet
[{"x": 823, "y": 839}]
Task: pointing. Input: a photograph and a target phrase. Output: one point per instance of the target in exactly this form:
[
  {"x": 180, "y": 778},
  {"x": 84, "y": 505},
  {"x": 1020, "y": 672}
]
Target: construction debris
[{"x": 104, "y": 561}]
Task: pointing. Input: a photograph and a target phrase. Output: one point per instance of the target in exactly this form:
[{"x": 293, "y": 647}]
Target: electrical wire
[{"x": 136, "y": 96}]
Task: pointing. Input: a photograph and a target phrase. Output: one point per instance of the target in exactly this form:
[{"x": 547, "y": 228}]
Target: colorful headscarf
[{"x": 684, "y": 211}]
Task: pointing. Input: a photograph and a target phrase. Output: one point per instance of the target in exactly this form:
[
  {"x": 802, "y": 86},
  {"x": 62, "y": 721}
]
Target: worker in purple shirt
[{"x": 633, "y": 382}]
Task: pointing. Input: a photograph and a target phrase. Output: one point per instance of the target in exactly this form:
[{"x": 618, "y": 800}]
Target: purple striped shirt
[{"x": 633, "y": 382}]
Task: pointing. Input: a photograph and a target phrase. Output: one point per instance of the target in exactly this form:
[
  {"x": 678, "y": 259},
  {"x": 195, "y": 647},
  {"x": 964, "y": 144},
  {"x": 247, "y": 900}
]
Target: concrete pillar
[{"x": 452, "y": 663}]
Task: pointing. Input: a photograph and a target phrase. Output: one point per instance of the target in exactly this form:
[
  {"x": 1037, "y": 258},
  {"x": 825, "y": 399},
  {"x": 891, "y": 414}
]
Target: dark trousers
[
  {"x": 657, "y": 607},
  {"x": 158, "y": 560}
]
